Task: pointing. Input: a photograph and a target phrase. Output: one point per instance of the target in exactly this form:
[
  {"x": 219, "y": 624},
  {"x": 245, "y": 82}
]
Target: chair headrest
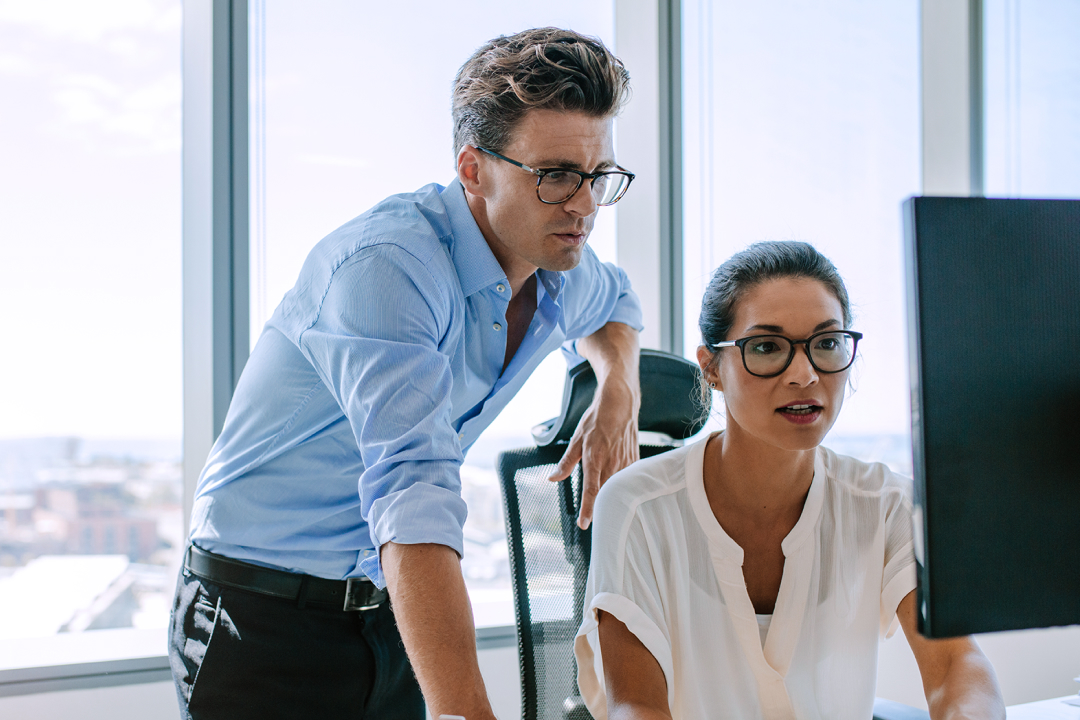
[{"x": 669, "y": 399}]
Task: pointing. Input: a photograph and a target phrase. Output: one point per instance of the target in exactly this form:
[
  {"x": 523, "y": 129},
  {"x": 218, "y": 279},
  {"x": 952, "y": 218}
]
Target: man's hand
[
  {"x": 606, "y": 439},
  {"x": 431, "y": 607}
]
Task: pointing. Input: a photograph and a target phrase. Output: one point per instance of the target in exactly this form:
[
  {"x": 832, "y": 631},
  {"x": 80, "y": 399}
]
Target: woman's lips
[{"x": 801, "y": 413}]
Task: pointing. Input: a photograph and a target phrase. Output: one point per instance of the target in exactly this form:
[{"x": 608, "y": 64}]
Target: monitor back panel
[{"x": 994, "y": 333}]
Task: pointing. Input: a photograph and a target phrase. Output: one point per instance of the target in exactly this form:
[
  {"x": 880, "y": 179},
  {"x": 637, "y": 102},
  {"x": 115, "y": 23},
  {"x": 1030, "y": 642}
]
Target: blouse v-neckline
[{"x": 771, "y": 661}]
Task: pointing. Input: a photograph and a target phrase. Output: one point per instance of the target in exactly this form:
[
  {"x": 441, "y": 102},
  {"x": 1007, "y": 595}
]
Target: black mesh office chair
[{"x": 549, "y": 554}]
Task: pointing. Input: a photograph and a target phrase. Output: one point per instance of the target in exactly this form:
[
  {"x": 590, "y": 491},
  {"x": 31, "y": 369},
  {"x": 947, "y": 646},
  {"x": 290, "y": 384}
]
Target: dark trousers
[{"x": 237, "y": 654}]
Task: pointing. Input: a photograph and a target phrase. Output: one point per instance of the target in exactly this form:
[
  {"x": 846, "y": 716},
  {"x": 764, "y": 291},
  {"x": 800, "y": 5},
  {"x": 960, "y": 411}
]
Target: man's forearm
[
  {"x": 606, "y": 438},
  {"x": 434, "y": 616},
  {"x": 613, "y": 352}
]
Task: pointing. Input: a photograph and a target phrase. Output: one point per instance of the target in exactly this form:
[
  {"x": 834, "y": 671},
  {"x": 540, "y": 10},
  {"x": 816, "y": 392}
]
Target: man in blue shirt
[{"x": 333, "y": 492}]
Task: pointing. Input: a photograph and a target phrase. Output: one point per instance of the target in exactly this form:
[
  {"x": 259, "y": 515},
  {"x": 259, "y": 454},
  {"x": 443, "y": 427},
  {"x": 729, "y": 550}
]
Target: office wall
[
  {"x": 1030, "y": 664},
  {"x": 152, "y": 701}
]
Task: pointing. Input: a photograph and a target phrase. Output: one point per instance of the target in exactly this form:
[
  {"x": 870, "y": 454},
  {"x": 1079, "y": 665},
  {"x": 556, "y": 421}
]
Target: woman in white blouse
[{"x": 750, "y": 575}]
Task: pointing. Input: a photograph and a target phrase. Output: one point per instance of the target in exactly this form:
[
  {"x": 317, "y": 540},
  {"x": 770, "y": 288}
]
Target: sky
[
  {"x": 90, "y": 219},
  {"x": 802, "y": 128},
  {"x": 796, "y": 126}
]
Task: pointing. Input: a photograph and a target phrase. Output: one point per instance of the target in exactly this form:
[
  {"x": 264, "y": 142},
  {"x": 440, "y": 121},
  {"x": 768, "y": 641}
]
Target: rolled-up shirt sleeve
[
  {"x": 595, "y": 294},
  {"x": 377, "y": 344}
]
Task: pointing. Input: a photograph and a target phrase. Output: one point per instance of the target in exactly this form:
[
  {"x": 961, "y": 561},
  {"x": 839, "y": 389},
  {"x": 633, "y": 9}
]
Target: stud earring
[{"x": 712, "y": 385}]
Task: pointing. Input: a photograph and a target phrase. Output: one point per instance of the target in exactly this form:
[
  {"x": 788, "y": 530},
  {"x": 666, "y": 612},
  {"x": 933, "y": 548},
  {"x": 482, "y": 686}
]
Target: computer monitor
[{"x": 993, "y": 292}]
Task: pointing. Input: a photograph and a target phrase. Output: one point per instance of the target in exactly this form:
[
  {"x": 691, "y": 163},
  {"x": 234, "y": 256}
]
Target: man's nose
[{"x": 582, "y": 201}]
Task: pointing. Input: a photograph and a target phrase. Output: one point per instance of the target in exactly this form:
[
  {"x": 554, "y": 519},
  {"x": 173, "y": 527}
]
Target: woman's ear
[{"x": 706, "y": 361}]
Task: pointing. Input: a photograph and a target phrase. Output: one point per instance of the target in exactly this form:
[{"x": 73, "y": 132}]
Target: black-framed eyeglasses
[
  {"x": 831, "y": 351},
  {"x": 557, "y": 185}
]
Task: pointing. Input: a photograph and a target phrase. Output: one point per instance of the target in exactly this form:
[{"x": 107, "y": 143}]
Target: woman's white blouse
[{"x": 662, "y": 564}]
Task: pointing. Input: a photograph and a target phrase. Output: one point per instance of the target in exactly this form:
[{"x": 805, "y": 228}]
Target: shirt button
[
  {"x": 497, "y": 327},
  {"x": 461, "y": 436},
  {"x": 500, "y": 287}
]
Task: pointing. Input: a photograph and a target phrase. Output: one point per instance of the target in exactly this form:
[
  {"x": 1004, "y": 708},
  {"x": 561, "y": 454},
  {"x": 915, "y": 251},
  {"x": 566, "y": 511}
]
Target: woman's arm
[
  {"x": 635, "y": 684},
  {"x": 958, "y": 679}
]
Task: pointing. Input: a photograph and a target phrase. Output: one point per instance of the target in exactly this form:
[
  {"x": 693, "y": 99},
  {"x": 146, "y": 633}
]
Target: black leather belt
[{"x": 349, "y": 595}]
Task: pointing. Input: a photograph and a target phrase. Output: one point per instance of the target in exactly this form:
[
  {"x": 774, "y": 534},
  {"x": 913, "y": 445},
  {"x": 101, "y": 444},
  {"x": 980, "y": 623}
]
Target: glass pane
[
  {"x": 801, "y": 122},
  {"x": 334, "y": 132},
  {"x": 1032, "y": 73},
  {"x": 90, "y": 376}
]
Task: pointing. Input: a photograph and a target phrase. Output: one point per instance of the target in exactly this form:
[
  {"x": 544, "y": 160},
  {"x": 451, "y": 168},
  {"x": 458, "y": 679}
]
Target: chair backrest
[
  {"x": 670, "y": 402},
  {"x": 549, "y": 561},
  {"x": 549, "y": 554}
]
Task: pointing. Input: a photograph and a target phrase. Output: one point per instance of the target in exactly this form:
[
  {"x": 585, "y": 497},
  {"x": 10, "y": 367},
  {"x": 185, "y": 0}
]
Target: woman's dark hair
[{"x": 756, "y": 264}]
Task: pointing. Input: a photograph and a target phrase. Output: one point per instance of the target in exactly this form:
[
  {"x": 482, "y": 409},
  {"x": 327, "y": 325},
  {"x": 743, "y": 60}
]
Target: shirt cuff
[
  {"x": 421, "y": 513},
  {"x": 569, "y": 348},
  {"x": 628, "y": 312},
  {"x": 570, "y": 354}
]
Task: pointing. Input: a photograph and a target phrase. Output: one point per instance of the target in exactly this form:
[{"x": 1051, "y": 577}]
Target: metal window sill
[{"x": 108, "y": 658}]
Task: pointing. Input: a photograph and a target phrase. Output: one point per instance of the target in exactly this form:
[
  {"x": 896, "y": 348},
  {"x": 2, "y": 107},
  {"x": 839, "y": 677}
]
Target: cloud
[
  {"x": 145, "y": 117},
  {"x": 90, "y": 21},
  {"x": 108, "y": 72}
]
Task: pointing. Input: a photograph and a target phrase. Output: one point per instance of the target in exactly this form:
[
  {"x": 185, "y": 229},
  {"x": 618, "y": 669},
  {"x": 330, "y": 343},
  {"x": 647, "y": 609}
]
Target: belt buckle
[{"x": 352, "y": 602}]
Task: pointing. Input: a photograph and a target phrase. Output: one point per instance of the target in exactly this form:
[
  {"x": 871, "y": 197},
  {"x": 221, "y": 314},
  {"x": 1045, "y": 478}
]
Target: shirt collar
[
  {"x": 476, "y": 265},
  {"x": 552, "y": 282}
]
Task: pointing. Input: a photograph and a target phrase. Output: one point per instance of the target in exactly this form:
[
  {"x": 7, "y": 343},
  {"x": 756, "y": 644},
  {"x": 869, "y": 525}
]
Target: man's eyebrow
[
  {"x": 550, "y": 163},
  {"x": 779, "y": 330}
]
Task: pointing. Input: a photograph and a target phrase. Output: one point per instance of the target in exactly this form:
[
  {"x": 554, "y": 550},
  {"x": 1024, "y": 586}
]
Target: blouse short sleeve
[
  {"x": 898, "y": 577},
  {"x": 623, "y": 581}
]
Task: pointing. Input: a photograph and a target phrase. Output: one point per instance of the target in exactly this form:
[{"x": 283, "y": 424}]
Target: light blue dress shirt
[{"x": 375, "y": 374}]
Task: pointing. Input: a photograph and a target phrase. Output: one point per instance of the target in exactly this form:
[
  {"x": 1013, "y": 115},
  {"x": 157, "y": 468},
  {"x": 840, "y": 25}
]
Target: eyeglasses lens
[
  {"x": 832, "y": 352},
  {"x": 766, "y": 355},
  {"x": 557, "y": 187},
  {"x": 608, "y": 188}
]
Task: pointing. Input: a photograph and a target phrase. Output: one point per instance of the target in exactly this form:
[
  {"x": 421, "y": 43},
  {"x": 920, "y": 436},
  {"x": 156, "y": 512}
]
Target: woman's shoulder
[
  {"x": 647, "y": 480},
  {"x": 861, "y": 477}
]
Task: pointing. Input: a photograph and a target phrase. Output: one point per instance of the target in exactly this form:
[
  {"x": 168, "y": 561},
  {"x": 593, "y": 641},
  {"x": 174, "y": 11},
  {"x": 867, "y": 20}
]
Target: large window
[
  {"x": 801, "y": 122},
  {"x": 90, "y": 488},
  {"x": 351, "y": 104},
  {"x": 1032, "y": 98}
]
